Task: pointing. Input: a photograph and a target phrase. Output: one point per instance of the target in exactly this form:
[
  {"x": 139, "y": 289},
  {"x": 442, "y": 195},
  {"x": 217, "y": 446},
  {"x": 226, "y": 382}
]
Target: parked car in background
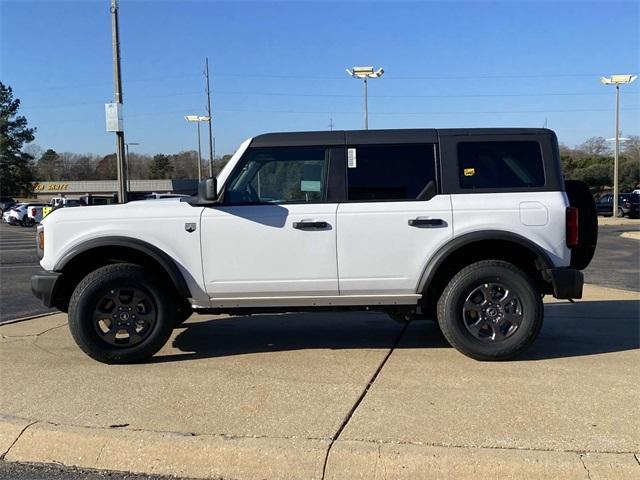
[
  {"x": 155, "y": 196},
  {"x": 6, "y": 203},
  {"x": 34, "y": 215},
  {"x": 18, "y": 213},
  {"x": 632, "y": 205},
  {"x": 10, "y": 215},
  {"x": 604, "y": 205},
  {"x": 68, "y": 202}
]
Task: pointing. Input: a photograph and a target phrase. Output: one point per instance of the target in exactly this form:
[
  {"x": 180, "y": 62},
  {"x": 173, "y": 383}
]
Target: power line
[
  {"x": 337, "y": 95},
  {"x": 334, "y": 112}
]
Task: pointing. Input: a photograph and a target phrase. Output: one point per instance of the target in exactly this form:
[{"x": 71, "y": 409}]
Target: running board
[{"x": 316, "y": 301}]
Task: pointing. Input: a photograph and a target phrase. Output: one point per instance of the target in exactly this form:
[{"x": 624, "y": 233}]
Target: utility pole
[
  {"x": 211, "y": 157},
  {"x": 331, "y": 125},
  {"x": 616, "y": 151},
  {"x": 117, "y": 81}
]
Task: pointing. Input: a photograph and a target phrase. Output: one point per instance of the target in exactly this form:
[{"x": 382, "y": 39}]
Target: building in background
[{"x": 108, "y": 188}]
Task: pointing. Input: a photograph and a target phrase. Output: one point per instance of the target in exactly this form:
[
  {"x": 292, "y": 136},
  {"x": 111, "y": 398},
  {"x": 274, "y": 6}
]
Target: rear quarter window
[{"x": 497, "y": 165}]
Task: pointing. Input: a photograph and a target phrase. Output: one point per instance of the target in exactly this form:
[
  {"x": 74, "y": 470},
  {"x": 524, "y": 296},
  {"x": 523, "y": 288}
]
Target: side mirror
[{"x": 208, "y": 190}]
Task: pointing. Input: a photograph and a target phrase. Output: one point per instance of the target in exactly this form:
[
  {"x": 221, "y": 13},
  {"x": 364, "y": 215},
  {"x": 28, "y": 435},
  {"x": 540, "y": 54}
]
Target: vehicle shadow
[
  {"x": 570, "y": 330},
  {"x": 587, "y": 328}
]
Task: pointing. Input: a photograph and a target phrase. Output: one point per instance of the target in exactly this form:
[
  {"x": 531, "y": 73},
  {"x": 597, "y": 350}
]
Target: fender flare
[
  {"x": 164, "y": 260},
  {"x": 451, "y": 247}
]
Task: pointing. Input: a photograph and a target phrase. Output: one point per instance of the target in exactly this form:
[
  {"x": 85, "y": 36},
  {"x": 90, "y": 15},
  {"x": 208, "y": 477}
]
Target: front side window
[
  {"x": 500, "y": 165},
  {"x": 390, "y": 172},
  {"x": 280, "y": 175}
]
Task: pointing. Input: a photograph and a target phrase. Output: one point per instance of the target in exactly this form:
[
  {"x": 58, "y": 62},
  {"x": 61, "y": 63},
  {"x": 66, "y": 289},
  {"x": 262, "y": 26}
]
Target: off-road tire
[
  {"x": 450, "y": 308},
  {"x": 89, "y": 292}
]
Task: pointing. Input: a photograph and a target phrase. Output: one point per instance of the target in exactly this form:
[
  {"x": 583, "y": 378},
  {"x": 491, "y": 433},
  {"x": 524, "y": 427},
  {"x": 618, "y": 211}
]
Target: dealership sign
[{"x": 50, "y": 187}]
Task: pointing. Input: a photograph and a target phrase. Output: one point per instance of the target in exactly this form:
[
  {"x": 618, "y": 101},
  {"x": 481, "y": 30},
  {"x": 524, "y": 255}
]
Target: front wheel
[
  {"x": 119, "y": 314},
  {"x": 491, "y": 310},
  {"x": 28, "y": 222}
]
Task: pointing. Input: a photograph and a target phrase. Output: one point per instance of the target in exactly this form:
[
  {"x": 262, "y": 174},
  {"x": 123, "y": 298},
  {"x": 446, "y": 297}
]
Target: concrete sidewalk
[{"x": 333, "y": 396}]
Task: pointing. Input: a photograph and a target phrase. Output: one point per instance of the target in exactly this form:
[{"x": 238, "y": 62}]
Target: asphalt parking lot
[
  {"x": 331, "y": 395},
  {"x": 18, "y": 261}
]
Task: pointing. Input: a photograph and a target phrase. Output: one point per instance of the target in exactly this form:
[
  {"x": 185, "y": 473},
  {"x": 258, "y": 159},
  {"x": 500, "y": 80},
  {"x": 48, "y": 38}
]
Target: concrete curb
[
  {"x": 219, "y": 456},
  {"x": 632, "y": 235},
  {"x": 163, "y": 453}
]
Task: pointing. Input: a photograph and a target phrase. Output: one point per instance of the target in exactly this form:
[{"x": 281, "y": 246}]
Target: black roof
[{"x": 416, "y": 135}]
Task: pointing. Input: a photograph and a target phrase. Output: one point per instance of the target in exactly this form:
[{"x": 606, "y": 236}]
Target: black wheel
[
  {"x": 117, "y": 314},
  {"x": 28, "y": 222},
  {"x": 491, "y": 310}
]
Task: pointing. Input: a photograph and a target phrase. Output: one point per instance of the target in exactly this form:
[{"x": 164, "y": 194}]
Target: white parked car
[
  {"x": 19, "y": 213},
  {"x": 469, "y": 227}
]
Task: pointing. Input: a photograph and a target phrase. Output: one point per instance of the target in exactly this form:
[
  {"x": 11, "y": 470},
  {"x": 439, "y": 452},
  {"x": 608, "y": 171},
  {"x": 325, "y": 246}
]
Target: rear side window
[
  {"x": 500, "y": 164},
  {"x": 390, "y": 172}
]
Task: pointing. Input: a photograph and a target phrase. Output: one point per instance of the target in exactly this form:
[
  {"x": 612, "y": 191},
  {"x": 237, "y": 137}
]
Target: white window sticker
[
  {"x": 351, "y": 157},
  {"x": 310, "y": 186}
]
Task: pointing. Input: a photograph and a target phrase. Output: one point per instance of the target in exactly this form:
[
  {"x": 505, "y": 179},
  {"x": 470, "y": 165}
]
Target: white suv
[{"x": 469, "y": 227}]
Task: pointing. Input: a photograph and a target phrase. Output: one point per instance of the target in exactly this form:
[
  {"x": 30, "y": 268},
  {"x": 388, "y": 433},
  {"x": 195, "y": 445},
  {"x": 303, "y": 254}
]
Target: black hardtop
[{"x": 395, "y": 136}]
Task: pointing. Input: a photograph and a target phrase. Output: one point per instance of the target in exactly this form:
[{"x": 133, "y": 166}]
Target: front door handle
[
  {"x": 427, "y": 222},
  {"x": 310, "y": 225}
]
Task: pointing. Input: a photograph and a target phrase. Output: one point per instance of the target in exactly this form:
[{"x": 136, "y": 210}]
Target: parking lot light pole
[
  {"x": 617, "y": 80},
  {"x": 126, "y": 144},
  {"x": 197, "y": 119},
  {"x": 365, "y": 73}
]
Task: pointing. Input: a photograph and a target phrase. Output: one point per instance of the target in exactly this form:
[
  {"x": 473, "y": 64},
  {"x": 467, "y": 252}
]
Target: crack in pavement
[
  {"x": 3, "y": 455},
  {"x": 34, "y": 334},
  {"x": 355, "y": 406},
  {"x": 584, "y": 466}
]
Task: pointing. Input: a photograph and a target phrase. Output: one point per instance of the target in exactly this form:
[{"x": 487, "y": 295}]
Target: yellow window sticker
[{"x": 469, "y": 172}]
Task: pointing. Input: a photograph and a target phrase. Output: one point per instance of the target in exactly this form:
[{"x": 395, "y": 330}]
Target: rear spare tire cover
[{"x": 580, "y": 197}]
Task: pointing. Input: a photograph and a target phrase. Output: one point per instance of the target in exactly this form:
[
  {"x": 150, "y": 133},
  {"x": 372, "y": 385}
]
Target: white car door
[
  {"x": 274, "y": 234},
  {"x": 393, "y": 221}
]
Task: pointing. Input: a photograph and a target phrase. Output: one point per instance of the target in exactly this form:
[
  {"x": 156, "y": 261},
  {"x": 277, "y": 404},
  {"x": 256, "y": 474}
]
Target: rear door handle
[
  {"x": 427, "y": 222},
  {"x": 310, "y": 225}
]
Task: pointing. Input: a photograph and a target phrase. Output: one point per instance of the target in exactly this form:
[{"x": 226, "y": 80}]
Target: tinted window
[
  {"x": 500, "y": 164},
  {"x": 280, "y": 175},
  {"x": 390, "y": 172}
]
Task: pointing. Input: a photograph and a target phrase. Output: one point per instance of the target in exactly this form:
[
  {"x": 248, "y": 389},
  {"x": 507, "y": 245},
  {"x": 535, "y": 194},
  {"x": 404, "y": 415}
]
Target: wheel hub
[
  {"x": 124, "y": 316},
  {"x": 492, "y": 312}
]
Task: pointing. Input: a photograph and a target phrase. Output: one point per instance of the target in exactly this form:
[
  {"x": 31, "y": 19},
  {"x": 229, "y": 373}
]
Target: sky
[{"x": 281, "y": 67}]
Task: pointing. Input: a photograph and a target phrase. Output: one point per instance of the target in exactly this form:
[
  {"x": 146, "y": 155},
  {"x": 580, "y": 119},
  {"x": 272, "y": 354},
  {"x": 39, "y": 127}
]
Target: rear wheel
[
  {"x": 28, "y": 222},
  {"x": 118, "y": 314},
  {"x": 491, "y": 310}
]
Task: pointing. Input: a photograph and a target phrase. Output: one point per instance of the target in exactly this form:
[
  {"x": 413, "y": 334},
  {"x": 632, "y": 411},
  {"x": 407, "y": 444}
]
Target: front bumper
[
  {"x": 566, "y": 282},
  {"x": 43, "y": 286}
]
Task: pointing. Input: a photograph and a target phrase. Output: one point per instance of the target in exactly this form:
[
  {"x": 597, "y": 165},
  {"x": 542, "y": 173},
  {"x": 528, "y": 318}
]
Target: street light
[
  {"x": 617, "y": 80},
  {"x": 365, "y": 73},
  {"x": 127, "y": 162},
  {"x": 198, "y": 119}
]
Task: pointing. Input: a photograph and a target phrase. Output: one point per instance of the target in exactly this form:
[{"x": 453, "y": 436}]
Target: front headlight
[{"x": 40, "y": 241}]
